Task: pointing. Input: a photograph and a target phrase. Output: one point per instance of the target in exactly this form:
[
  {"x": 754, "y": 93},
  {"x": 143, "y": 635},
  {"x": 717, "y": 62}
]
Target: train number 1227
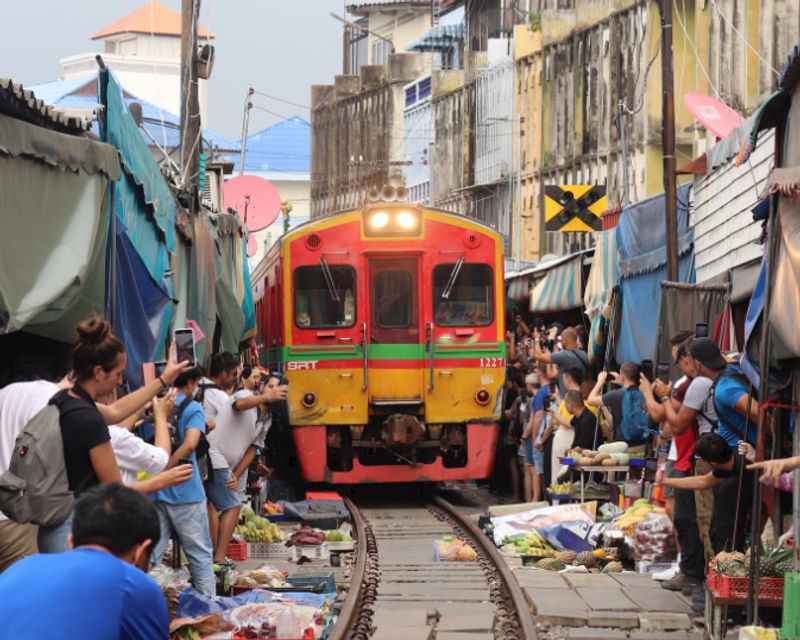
[{"x": 493, "y": 363}]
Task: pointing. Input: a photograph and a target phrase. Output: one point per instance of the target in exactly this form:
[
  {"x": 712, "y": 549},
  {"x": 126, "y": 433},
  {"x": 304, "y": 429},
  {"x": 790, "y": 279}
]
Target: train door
[{"x": 395, "y": 332}]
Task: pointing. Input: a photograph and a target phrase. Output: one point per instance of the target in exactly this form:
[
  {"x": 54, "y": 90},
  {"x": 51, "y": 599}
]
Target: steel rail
[
  {"x": 348, "y": 614},
  {"x": 526, "y": 622}
]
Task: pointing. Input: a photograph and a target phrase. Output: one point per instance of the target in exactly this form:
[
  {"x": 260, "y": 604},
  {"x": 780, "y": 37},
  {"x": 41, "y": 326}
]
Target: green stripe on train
[{"x": 388, "y": 352}]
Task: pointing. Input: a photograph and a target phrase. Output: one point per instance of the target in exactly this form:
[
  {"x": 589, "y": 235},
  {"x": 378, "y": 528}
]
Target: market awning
[
  {"x": 604, "y": 275},
  {"x": 440, "y": 37},
  {"x": 769, "y": 115},
  {"x": 560, "y": 289}
]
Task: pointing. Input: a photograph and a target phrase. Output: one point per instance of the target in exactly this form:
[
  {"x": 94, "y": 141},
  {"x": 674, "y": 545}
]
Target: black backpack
[{"x": 203, "y": 459}]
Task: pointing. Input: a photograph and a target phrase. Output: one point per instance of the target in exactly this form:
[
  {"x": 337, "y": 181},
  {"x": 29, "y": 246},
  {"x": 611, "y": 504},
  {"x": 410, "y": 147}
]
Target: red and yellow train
[{"x": 389, "y": 324}]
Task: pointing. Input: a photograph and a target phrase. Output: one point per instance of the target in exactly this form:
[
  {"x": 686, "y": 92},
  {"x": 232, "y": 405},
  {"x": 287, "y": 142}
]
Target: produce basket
[
  {"x": 310, "y": 551},
  {"x": 266, "y": 551},
  {"x": 770, "y": 589},
  {"x": 237, "y": 551},
  {"x": 311, "y": 584}
]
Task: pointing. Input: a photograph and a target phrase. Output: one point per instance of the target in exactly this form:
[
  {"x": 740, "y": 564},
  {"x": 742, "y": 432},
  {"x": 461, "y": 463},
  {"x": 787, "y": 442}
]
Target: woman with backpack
[{"x": 98, "y": 363}]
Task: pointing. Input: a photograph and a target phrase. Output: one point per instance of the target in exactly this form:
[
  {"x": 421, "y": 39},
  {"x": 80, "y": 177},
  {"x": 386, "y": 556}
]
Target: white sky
[{"x": 280, "y": 47}]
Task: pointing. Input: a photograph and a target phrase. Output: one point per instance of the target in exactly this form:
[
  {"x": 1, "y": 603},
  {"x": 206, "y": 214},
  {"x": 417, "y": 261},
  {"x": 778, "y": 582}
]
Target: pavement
[{"x": 588, "y": 606}]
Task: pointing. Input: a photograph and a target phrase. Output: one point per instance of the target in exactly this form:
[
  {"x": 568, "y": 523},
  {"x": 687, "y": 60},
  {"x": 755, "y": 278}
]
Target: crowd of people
[
  {"x": 168, "y": 461},
  {"x": 701, "y": 427}
]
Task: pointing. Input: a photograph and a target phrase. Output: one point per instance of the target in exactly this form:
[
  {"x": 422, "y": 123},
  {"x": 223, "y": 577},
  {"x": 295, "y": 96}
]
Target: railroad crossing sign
[{"x": 575, "y": 207}]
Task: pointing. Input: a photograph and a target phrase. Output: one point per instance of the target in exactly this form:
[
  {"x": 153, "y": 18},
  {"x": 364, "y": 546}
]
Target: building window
[{"x": 380, "y": 51}]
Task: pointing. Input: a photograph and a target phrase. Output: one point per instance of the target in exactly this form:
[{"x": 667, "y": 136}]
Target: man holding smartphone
[
  {"x": 183, "y": 507},
  {"x": 233, "y": 444}
]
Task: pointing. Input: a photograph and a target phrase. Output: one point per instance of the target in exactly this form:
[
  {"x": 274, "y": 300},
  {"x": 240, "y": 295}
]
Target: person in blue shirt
[
  {"x": 182, "y": 508},
  {"x": 100, "y": 589},
  {"x": 731, "y": 394}
]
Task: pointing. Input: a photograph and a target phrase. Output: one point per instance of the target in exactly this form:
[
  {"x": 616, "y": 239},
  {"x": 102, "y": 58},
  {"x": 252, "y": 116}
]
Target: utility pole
[
  {"x": 248, "y": 104},
  {"x": 190, "y": 102},
  {"x": 668, "y": 139}
]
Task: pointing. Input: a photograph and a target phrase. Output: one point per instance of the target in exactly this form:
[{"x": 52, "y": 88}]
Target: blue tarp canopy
[
  {"x": 560, "y": 289},
  {"x": 441, "y": 36},
  {"x": 140, "y": 239},
  {"x": 641, "y": 239}
]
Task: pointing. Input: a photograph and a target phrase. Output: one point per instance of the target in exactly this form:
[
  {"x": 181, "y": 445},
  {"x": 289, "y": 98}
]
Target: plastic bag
[
  {"x": 654, "y": 540},
  {"x": 193, "y": 604}
]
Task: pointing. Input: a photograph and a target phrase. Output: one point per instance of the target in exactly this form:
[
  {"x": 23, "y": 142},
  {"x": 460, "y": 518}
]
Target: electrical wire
[
  {"x": 289, "y": 102},
  {"x": 743, "y": 38},
  {"x": 690, "y": 40}
]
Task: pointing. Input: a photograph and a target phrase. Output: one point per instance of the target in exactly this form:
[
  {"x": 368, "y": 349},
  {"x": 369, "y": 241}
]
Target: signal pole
[{"x": 668, "y": 138}]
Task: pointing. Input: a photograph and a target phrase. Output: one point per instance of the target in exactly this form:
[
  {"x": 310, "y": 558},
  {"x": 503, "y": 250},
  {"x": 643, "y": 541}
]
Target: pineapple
[{"x": 586, "y": 559}]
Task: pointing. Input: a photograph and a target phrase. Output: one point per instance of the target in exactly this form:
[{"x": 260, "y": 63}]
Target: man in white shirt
[
  {"x": 19, "y": 402},
  {"x": 233, "y": 443},
  {"x": 223, "y": 371}
]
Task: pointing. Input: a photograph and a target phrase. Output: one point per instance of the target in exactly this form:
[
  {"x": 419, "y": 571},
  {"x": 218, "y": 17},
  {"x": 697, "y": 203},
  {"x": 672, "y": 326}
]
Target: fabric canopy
[
  {"x": 440, "y": 37},
  {"x": 604, "y": 274},
  {"x": 54, "y": 231},
  {"x": 145, "y": 182},
  {"x": 560, "y": 289},
  {"x": 138, "y": 303},
  {"x": 641, "y": 238}
]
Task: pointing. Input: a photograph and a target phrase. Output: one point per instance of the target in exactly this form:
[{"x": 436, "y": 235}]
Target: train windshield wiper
[
  {"x": 451, "y": 281},
  {"x": 328, "y": 275}
]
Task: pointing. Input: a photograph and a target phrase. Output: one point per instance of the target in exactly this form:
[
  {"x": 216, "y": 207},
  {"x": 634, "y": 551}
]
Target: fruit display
[
  {"x": 560, "y": 489},
  {"x": 551, "y": 564},
  {"x": 567, "y": 557},
  {"x": 612, "y": 567},
  {"x": 528, "y": 544},
  {"x": 338, "y": 536},
  {"x": 773, "y": 562},
  {"x": 306, "y": 536},
  {"x": 452, "y": 548},
  {"x": 272, "y": 508},
  {"x": 253, "y": 528},
  {"x": 266, "y": 576},
  {"x": 585, "y": 559},
  {"x": 633, "y": 515}
]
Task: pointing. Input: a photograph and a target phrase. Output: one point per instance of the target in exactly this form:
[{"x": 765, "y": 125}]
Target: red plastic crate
[
  {"x": 323, "y": 495},
  {"x": 729, "y": 587},
  {"x": 237, "y": 551}
]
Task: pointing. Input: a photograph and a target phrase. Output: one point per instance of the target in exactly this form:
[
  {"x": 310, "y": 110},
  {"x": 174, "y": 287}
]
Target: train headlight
[
  {"x": 407, "y": 221},
  {"x": 482, "y": 397},
  {"x": 379, "y": 220},
  {"x": 309, "y": 400}
]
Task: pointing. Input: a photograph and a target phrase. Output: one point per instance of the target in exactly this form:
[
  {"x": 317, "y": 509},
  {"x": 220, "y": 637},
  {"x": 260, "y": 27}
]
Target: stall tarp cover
[{"x": 641, "y": 238}]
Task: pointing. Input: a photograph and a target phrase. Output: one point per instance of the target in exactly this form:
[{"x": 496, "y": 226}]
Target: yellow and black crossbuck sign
[{"x": 576, "y": 207}]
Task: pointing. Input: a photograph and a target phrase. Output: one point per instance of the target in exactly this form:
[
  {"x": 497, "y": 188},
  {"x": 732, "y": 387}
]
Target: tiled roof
[
  {"x": 20, "y": 102},
  {"x": 152, "y": 17},
  {"x": 162, "y": 125},
  {"x": 284, "y": 147}
]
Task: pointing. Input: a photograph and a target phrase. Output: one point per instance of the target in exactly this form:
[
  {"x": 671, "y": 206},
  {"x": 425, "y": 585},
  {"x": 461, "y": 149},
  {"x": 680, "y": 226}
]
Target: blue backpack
[{"x": 636, "y": 426}]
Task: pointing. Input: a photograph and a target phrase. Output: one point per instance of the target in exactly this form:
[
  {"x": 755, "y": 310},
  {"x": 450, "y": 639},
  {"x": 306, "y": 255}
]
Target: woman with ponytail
[{"x": 98, "y": 363}]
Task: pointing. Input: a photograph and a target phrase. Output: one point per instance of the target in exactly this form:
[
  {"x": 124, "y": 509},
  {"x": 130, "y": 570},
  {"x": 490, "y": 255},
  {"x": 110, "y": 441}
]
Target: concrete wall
[{"x": 357, "y": 132}]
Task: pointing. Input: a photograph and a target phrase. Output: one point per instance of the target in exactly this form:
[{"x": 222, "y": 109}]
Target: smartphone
[
  {"x": 184, "y": 345},
  {"x": 185, "y": 461},
  {"x": 158, "y": 369},
  {"x": 663, "y": 371},
  {"x": 701, "y": 330},
  {"x": 647, "y": 369}
]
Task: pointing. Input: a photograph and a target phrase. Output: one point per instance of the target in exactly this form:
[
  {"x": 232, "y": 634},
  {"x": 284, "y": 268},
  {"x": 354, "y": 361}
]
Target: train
[{"x": 388, "y": 322}]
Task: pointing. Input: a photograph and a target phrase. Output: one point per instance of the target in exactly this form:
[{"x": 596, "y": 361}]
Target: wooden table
[{"x": 600, "y": 469}]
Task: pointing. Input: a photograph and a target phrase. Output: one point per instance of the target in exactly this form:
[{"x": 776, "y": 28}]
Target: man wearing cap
[{"x": 730, "y": 399}]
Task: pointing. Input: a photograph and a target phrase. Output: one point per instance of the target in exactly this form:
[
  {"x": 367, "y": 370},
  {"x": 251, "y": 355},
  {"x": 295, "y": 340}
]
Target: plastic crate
[
  {"x": 310, "y": 551},
  {"x": 342, "y": 546},
  {"x": 238, "y": 551},
  {"x": 770, "y": 589},
  {"x": 265, "y": 551}
]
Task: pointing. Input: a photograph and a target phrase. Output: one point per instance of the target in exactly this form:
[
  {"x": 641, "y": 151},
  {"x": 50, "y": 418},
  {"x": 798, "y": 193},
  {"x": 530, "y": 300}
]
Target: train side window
[
  {"x": 471, "y": 299},
  {"x": 317, "y": 304}
]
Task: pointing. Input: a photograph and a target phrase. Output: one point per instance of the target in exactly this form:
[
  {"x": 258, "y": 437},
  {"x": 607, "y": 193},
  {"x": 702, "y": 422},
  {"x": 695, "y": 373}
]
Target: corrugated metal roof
[
  {"x": 18, "y": 102},
  {"x": 162, "y": 125},
  {"x": 442, "y": 36},
  {"x": 284, "y": 147},
  {"x": 363, "y": 6}
]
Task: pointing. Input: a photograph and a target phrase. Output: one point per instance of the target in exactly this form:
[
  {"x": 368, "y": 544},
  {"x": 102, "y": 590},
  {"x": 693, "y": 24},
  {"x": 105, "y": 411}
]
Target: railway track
[{"x": 399, "y": 591}]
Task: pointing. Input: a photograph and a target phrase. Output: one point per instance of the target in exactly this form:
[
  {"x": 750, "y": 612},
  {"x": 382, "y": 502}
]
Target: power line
[
  {"x": 743, "y": 38},
  {"x": 272, "y": 113},
  {"x": 690, "y": 40},
  {"x": 289, "y": 102}
]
